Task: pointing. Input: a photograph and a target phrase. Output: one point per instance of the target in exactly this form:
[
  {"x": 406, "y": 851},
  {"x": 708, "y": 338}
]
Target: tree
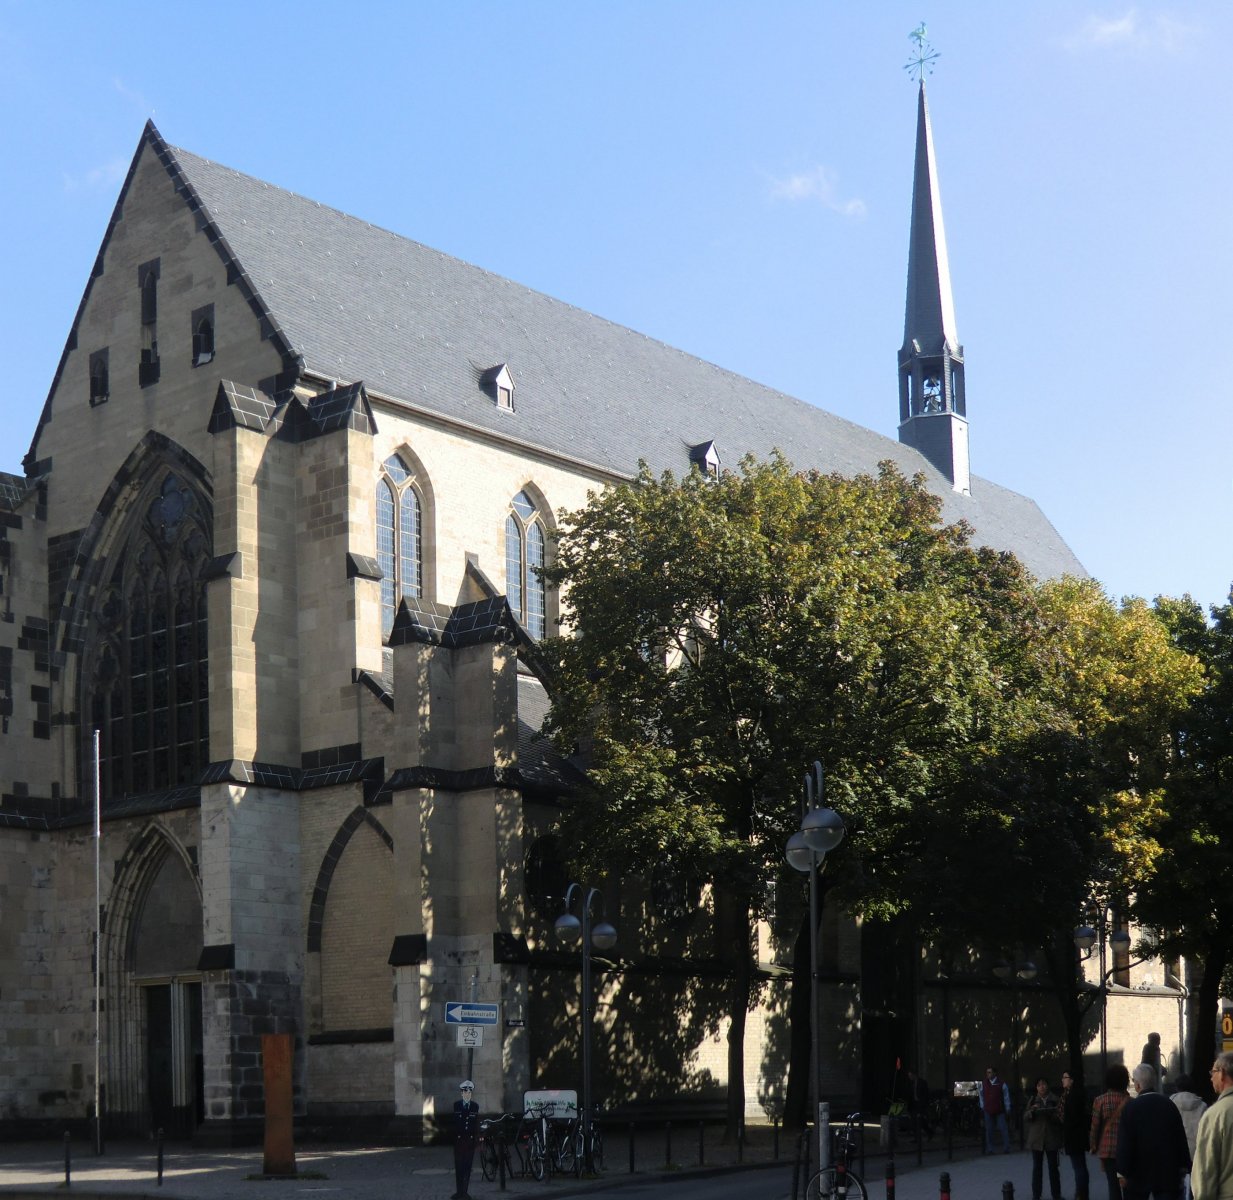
[
  {"x": 724, "y": 633},
  {"x": 1065, "y": 796},
  {"x": 1181, "y": 901}
]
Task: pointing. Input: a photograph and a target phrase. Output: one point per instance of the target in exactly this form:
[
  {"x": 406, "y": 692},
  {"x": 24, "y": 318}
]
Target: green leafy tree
[
  {"x": 1182, "y": 901},
  {"x": 724, "y": 633}
]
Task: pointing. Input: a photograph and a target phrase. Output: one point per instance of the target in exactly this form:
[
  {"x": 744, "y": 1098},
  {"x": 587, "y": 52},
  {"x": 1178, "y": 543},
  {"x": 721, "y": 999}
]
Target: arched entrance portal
[{"x": 154, "y": 1073}]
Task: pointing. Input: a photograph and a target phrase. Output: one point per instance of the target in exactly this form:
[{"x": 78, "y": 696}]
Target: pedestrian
[
  {"x": 1150, "y": 1054},
  {"x": 466, "y": 1130},
  {"x": 1106, "y": 1116},
  {"x": 918, "y": 1103},
  {"x": 1044, "y": 1138},
  {"x": 995, "y": 1105},
  {"x": 1152, "y": 1154},
  {"x": 1076, "y": 1116},
  {"x": 1212, "y": 1176},
  {"x": 1192, "y": 1107}
]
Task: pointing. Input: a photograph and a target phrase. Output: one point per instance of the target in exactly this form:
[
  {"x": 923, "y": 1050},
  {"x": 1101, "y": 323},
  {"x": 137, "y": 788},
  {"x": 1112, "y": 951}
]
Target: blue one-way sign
[{"x": 461, "y": 1012}]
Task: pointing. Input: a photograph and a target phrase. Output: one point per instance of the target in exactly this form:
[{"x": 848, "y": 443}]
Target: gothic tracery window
[
  {"x": 399, "y": 537},
  {"x": 524, "y": 561},
  {"x": 148, "y": 682}
]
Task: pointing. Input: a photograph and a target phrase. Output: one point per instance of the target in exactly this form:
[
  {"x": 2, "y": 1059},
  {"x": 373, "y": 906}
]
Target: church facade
[{"x": 268, "y": 588}]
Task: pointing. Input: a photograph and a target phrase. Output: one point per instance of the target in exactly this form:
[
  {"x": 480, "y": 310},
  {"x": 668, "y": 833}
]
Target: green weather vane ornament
[{"x": 924, "y": 56}]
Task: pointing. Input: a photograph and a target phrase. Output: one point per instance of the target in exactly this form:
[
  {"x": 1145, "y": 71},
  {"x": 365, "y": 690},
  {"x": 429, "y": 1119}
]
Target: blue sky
[{"x": 731, "y": 178}]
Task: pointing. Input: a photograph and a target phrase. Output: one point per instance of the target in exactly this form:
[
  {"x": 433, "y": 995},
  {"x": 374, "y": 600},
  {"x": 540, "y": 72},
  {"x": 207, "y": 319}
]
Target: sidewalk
[{"x": 333, "y": 1172}]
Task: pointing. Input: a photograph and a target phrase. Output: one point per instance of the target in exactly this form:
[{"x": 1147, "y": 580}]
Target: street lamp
[
  {"x": 821, "y": 831},
  {"x": 598, "y": 936}
]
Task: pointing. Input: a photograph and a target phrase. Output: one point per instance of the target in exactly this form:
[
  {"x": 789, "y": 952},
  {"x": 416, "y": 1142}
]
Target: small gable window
[
  {"x": 100, "y": 384},
  {"x": 498, "y": 382},
  {"x": 203, "y": 335},
  {"x": 399, "y": 537},
  {"x": 705, "y": 457},
  {"x": 524, "y": 564}
]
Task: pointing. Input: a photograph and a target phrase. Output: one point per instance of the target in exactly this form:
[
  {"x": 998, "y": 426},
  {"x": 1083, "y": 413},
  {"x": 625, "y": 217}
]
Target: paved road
[{"x": 425, "y": 1173}]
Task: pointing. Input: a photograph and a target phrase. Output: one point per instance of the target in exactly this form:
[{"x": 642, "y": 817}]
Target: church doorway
[{"x": 175, "y": 1091}]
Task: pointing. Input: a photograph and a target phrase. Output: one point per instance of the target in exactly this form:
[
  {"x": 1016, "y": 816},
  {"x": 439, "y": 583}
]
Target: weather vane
[{"x": 924, "y": 57}]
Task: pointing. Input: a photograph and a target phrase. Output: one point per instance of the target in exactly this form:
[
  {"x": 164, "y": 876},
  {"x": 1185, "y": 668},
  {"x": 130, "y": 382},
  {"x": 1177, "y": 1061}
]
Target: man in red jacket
[{"x": 995, "y": 1105}]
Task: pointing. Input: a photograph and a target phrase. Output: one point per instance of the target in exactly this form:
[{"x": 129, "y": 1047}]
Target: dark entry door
[
  {"x": 159, "y": 1058},
  {"x": 174, "y": 1058}
]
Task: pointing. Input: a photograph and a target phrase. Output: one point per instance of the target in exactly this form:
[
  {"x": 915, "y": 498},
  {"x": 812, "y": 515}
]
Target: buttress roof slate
[{"x": 357, "y": 302}]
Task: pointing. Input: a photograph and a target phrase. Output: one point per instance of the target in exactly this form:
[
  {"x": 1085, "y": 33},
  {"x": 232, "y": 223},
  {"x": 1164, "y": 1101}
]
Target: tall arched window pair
[{"x": 400, "y": 549}]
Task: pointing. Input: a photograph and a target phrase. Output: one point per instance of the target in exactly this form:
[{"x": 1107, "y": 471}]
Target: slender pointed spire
[
  {"x": 932, "y": 395},
  {"x": 930, "y": 314}
]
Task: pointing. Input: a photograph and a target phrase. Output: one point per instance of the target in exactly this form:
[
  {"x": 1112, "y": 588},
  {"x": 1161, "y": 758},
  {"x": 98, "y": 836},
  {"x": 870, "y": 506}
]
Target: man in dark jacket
[{"x": 1152, "y": 1152}]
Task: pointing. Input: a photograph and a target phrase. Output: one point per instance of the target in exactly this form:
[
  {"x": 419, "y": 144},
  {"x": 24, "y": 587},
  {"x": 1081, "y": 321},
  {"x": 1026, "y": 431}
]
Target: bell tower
[{"x": 932, "y": 398}]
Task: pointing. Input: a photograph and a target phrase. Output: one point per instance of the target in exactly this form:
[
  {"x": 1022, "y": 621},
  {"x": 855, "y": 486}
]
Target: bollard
[
  {"x": 890, "y": 1179},
  {"x": 701, "y": 1139},
  {"x": 160, "y": 1156},
  {"x": 1008, "y": 1191},
  {"x": 68, "y": 1161},
  {"x": 775, "y": 1139},
  {"x": 667, "y": 1143},
  {"x": 944, "y": 1186}
]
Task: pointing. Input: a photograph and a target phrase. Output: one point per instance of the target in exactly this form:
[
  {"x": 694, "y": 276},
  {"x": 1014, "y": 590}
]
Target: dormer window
[
  {"x": 705, "y": 457},
  {"x": 203, "y": 335},
  {"x": 100, "y": 386},
  {"x": 498, "y": 382}
]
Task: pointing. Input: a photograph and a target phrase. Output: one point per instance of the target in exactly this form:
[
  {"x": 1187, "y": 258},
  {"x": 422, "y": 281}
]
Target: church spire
[{"x": 932, "y": 401}]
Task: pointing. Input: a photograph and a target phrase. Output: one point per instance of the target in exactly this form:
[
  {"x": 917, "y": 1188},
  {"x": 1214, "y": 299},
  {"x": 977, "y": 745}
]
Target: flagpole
[{"x": 98, "y": 945}]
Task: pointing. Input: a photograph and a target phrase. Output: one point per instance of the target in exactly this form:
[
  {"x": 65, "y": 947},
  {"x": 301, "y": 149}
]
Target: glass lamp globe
[
  {"x": 567, "y": 927},
  {"x": 1026, "y": 971},
  {"x": 603, "y": 936},
  {"x": 1085, "y": 937},
  {"x": 799, "y": 855},
  {"x": 823, "y": 829}
]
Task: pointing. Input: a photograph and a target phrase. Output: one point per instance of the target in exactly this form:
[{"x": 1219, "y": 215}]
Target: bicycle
[
  {"x": 838, "y": 1181},
  {"x": 494, "y": 1142}
]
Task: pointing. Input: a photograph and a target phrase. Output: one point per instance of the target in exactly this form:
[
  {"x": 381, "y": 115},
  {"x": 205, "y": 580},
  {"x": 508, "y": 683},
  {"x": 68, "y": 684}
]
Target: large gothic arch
[
  {"x": 151, "y": 942},
  {"x": 133, "y": 613}
]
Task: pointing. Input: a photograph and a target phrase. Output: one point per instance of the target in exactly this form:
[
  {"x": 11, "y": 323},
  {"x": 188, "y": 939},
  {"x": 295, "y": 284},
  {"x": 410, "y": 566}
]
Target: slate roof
[{"x": 354, "y": 302}]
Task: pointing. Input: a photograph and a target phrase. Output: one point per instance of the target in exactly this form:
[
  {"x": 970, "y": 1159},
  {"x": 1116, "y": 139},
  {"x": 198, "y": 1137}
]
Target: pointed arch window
[
  {"x": 524, "y": 564},
  {"x": 400, "y": 545},
  {"x": 147, "y": 681}
]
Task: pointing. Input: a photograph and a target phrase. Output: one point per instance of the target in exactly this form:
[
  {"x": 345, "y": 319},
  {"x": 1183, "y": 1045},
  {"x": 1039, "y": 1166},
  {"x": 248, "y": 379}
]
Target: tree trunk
[
  {"x": 737, "y": 931},
  {"x": 1201, "y": 1046},
  {"x": 796, "y": 1099}
]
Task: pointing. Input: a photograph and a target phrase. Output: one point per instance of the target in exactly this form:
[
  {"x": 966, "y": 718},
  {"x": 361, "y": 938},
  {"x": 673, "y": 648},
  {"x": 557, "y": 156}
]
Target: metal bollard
[
  {"x": 1008, "y": 1191},
  {"x": 631, "y": 1147},
  {"x": 68, "y": 1161},
  {"x": 160, "y": 1156},
  {"x": 701, "y": 1140},
  {"x": 944, "y": 1186},
  {"x": 890, "y": 1179},
  {"x": 667, "y": 1143}
]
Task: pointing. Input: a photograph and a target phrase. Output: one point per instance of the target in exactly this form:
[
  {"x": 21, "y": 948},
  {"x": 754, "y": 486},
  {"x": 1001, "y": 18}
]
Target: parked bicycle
[
  {"x": 838, "y": 1181},
  {"x": 495, "y": 1137}
]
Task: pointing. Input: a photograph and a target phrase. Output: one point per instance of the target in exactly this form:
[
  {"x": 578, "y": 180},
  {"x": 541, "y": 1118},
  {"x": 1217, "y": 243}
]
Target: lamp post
[
  {"x": 598, "y": 936},
  {"x": 821, "y": 831}
]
